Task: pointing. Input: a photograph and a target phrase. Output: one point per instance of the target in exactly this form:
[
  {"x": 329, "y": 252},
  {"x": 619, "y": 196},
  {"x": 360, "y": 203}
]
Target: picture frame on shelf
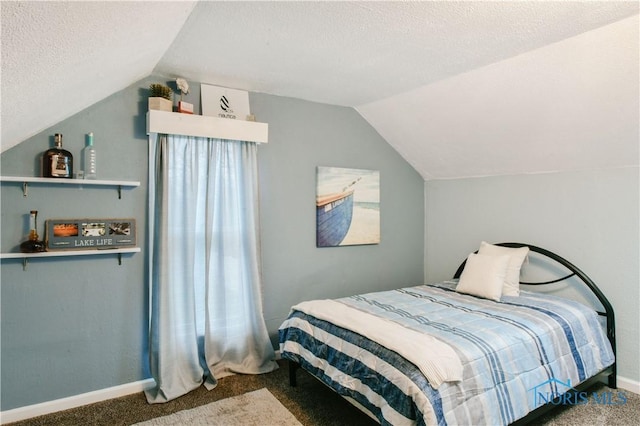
[
  {"x": 90, "y": 234},
  {"x": 224, "y": 102}
]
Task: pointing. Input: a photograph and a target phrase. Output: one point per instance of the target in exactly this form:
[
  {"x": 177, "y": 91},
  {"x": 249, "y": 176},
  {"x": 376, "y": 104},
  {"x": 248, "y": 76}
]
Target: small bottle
[
  {"x": 89, "y": 158},
  {"x": 33, "y": 244},
  {"x": 57, "y": 162}
]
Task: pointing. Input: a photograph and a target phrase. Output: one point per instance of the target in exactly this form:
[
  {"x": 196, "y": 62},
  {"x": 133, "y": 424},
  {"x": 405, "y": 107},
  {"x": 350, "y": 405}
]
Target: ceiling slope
[
  {"x": 61, "y": 57},
  {"x": 572, "y": 105},
  {"x": 352, "y": 53}
]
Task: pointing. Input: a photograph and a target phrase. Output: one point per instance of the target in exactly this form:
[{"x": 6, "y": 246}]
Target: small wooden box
[{"x": 160, "y": 104}]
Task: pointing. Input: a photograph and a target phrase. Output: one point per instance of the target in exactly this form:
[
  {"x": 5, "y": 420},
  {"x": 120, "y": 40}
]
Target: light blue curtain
[{"x": 206, "y": 317}]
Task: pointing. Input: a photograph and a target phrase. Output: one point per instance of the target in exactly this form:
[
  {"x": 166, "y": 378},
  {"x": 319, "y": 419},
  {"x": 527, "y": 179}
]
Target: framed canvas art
[{"x": 347, "y": 207}]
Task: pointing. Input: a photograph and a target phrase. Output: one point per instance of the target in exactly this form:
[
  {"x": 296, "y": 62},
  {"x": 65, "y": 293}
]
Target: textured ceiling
[
  {"x": 571, "y": 105},
  {"x": 351, "y": 53},
  {"x": 60, "y": 57}
]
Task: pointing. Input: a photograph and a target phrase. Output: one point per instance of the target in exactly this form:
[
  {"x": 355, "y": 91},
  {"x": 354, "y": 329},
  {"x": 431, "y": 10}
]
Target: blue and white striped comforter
[{"x": 511, "y": 351}]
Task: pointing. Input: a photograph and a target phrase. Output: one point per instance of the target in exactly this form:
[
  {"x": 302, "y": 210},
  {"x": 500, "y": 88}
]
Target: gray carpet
[{"x": 312, "y": 403}]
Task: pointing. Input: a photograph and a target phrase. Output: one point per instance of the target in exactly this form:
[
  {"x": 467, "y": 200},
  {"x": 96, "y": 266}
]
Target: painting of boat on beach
[{"x": 347, "y": 207}]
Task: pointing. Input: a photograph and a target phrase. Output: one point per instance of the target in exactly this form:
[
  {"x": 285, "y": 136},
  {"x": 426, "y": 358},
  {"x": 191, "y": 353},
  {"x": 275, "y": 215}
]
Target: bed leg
[
  {"x": 293, "y": 367},
  {"x": 613, "y": 380}
]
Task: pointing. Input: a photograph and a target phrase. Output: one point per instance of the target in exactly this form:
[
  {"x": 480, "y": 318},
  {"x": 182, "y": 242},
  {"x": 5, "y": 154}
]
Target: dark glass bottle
[
  {"x": 57, "y": 162},
  {"x": 33, "y": 244}
]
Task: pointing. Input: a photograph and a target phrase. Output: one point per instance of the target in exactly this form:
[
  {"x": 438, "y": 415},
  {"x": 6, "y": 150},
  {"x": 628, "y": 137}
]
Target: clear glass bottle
[
  {"x": 33, "y": 244},
  {"x": 89, "y": 158},
  {"x": 57, "y": 162}
]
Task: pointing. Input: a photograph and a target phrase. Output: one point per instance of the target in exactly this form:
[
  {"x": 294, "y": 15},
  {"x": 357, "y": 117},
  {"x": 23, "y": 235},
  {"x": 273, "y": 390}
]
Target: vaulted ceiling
[{"x": 458, "y": 88}]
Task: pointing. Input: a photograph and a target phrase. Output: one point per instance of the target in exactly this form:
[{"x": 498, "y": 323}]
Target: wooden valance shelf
[{"x": 173, "y": 123}]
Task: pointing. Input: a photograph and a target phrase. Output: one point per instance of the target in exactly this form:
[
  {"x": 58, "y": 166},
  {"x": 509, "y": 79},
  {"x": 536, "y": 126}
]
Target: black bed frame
[{"x": 609, "y": 372}]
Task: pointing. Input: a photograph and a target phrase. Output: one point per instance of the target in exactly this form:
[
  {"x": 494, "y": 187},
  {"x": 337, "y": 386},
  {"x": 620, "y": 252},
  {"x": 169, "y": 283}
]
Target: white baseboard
[
  {"x": 628, "y": 384},
  {"x": 49, "y": 407}
]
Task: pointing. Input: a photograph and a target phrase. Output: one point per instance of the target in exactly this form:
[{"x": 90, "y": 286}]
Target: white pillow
[
  {"x": 516, "y": 258},
  {"x": 483, "y": 276}
]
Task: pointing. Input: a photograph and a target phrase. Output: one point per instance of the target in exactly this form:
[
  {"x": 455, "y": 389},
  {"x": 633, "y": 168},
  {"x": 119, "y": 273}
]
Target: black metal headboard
[{"x": 573, "y": 271}]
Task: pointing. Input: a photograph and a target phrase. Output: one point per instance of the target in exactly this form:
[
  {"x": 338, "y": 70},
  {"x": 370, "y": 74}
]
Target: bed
[{"x": 458, "y": 352}]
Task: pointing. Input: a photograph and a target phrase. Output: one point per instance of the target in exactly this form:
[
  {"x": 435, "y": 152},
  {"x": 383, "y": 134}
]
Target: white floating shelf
[
  {"x": 31, "y": 179},
  {"x": 26, "y": 256},
  {"x": 25, "y": 180},
  {"x": 174, "y": 123},
  {"x": 64, "y": 253}
]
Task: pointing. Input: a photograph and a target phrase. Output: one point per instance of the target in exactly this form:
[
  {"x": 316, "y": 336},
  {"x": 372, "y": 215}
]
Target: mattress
[{"x": 515, "y": 354}]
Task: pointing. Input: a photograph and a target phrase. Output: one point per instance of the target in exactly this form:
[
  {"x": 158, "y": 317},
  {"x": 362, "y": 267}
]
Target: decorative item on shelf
[
  {"x": 90, "y": 234},
  {"x": 224, "y": 103},
  {"x": 183, "y": 86},
  {"x": 89, "y": 158},
  {"x": 160, "y": 97},
  {"x": 57, "y": 162},
  {"x": 33, "y": 243}
]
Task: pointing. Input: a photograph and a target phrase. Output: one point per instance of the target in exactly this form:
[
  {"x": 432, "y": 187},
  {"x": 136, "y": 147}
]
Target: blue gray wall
[
  {"x": 589, "y": 217},
  {"x": 302, "y": 136},
  {"x": 75, "y": 325}
]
